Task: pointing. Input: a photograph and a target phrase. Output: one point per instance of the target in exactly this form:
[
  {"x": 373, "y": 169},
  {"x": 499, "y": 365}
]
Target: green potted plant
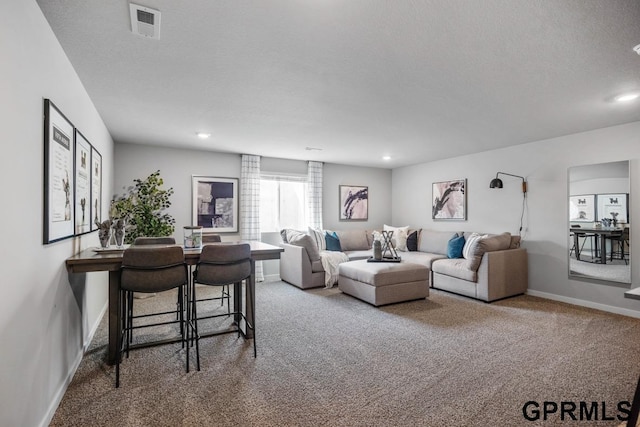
[{"x": 142, "y": 209}]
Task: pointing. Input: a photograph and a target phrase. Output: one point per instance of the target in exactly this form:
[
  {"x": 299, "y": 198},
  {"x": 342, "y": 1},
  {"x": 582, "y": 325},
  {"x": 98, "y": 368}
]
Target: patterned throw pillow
[
  {"x": 399, "y": 238},
  {"x": 470, "y": 245}
]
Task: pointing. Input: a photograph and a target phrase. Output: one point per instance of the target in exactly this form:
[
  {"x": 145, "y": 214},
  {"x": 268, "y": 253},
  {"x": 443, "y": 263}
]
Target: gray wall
[
  {"x": 545, "y": 165},
  {"x": 176, "y": 167},
  {"x": 46, "y": 317}
]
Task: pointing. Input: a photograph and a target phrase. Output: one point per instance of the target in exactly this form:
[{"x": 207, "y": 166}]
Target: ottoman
[{"x": 380, "y": 283}]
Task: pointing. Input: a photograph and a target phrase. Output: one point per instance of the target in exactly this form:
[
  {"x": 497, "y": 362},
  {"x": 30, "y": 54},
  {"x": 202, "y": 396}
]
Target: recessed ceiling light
[
  {"x": 626, "y": 97},
  {"x": 203, "y": 135},
  {"x": 386, "y": 157}
]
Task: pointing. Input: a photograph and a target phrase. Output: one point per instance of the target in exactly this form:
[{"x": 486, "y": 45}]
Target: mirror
[{"x": 598, "y": 232}]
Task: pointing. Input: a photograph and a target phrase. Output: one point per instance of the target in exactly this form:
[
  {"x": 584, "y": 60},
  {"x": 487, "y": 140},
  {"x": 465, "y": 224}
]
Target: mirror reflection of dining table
[
  {"x": 601, "y": 232},
  {"x": 92, "y": 259}
]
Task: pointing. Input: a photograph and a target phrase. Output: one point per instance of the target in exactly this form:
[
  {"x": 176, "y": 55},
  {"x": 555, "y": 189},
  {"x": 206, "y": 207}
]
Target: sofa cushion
[
  {"x": 412, "y": 240},
  {"x": 486, "y": 243},
  {"x": 456, "y": 267},
  {"x": 354, "y": 255},
  {"x": 423, "y": 258},
  {"x": 515, "y": 242},
  {"x": 436, "y": 242},
  {"x": 455, "y": 246},
  {"x": 332, "y": 241},
  {"x": 304, "y": 240},
  {"x": 399, "y": 237},
  {"x": 353, "y": 240}
]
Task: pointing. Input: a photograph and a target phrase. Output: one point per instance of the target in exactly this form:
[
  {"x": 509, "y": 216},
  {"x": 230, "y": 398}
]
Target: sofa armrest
[
  {"x": 503, "y": 274},
  {"x": 295, "y": 266}
]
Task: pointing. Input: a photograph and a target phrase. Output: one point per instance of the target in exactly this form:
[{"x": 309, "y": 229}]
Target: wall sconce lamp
[{"x": 497, "y": 182}]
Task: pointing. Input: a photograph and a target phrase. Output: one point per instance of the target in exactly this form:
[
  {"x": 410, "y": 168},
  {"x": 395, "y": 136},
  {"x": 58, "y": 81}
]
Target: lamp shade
[{"x": 495, "y": 183}]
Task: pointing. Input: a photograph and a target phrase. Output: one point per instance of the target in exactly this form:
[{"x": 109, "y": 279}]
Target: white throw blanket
[{"x": 330, "y": 262}]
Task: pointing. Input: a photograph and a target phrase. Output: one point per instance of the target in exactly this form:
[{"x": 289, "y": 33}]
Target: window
[{"x": 283, "y": 201}]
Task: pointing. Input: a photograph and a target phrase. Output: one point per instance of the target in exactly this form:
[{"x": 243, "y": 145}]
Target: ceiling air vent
[{"x": 145, "y": 21}]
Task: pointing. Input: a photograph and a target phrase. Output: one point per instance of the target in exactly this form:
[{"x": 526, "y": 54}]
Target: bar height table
[{"x": 89, "y": 261}]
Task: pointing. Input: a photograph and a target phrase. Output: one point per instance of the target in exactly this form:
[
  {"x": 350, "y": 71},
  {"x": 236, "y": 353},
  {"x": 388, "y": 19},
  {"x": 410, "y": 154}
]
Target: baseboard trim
[
  {"x": 584, "y": 303},
  {"x": 72, "y": 371},
  {"x": 272, "y": 278}
]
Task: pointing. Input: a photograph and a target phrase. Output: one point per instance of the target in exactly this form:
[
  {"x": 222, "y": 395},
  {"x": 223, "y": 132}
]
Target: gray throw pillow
[{"x": 307, "y": 242}]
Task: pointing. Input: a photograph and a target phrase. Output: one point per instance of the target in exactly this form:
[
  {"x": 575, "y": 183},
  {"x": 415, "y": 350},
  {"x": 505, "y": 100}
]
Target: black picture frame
[
  {"x": 96, "y": 188},
  {"x": 82, "y": 181},
  {"x": 354, "y": 202},
  {"x": 59, "y": 179},
  {"x": 215, "y": 203}
]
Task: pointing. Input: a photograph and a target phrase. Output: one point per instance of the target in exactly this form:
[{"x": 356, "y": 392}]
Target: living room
[{"x": 48, "y": 321}]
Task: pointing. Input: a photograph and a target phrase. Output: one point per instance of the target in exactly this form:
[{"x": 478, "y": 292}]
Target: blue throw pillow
[
  {"x": 455, "y": 246},
  {"x": 333, "y": 243}
]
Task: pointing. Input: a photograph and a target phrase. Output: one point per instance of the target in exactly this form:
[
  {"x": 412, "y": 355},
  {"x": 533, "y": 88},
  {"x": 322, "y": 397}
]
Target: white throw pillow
[
  {"x": 399, "y": 238},
  {"x": 318, "y": 237},
  {"x": 470, "y": 245}
]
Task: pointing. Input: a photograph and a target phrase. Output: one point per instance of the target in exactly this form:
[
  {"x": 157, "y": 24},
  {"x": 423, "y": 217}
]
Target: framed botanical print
[
  {"x": 354, "y": 203},
  {"x": 96, "y": 189},
  {"x": 59, "y": 182},
  {"x": 582, "y": 208},
  {"x": 613, "y": 206},
  {"x": 82, "y": 184},
  {"x": 449, "y": 200},
  {"x": 215, "y": 203}
]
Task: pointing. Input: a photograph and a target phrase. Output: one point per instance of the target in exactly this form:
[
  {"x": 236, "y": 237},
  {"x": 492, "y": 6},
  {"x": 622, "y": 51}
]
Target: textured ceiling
[{"x": 359, "y": 79}]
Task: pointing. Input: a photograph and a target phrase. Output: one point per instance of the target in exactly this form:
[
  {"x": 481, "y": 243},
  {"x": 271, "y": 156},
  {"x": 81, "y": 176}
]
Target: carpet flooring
[
  {"x": 616, "y": 271},
  {"x": 327, "y": 359}
]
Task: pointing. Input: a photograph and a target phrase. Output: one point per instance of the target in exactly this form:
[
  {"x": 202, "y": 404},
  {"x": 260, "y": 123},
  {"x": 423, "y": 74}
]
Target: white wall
[
  {"x": 45, "y": 320},
  {"x": 176, "y": 167},
  {"x": 545, "y": 165}
]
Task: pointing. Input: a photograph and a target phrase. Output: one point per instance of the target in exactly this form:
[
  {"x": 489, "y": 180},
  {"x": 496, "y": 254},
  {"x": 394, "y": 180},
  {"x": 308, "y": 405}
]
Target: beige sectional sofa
[{"x": 496, "y": 266}]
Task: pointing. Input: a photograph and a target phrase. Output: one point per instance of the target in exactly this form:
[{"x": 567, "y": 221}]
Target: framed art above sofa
[
  {"x": 354, "y": 203},
  {"x": 449, "y": 200}
]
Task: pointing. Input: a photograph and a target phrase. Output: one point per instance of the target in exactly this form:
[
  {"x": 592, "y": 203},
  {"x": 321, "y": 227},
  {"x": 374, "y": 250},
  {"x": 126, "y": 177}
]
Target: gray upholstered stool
[{"x": 380, "y": 283}]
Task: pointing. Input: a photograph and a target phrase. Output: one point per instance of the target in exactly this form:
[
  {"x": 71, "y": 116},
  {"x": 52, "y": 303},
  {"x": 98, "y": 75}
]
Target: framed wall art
[
  {"x": 613, "y": 206},
  {"x": 582, "y": 208},
  {"x": 96, "y": 189},
  {"x": 59, "y": 181},
  {"x": 354, "y": 203},
  {"x": 215, "y": 203},
  {"x": 82, "y": 179},
  {"x": 449, "y": 200}
]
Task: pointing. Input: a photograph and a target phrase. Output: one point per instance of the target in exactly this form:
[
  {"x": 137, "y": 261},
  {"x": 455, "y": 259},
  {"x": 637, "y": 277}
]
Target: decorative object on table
[
  {"x": 96, "y": 188},
  {"x": 608, "y": 204},
  {"x": 59, "y": 206},
  {"x": 354, "y": 203},
  {"x": 193, "y": 237},
  {"x": 377, "y": 250},
  {"x": 388, "y": 251},
  {"x": 215, "y": 203},
  {"x": 104, "y": 233},
  {"x": 82, "y": 177},
  {"x": 119, "y": 231},
  {"x": 143, "y": 208},
  {"x": 449, "y": 200}
]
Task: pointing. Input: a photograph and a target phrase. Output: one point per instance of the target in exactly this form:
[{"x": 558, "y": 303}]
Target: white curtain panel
[
  {"x": 314, "y": 185},
  {"x": 250, "y": 203}
]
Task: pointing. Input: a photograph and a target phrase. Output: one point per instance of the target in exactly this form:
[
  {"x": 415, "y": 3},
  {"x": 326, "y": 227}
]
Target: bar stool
[
  {"x": 150, "y": 270},
  {"x": 220, "y": 265},
  {"x": 224, "y": 293}
]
